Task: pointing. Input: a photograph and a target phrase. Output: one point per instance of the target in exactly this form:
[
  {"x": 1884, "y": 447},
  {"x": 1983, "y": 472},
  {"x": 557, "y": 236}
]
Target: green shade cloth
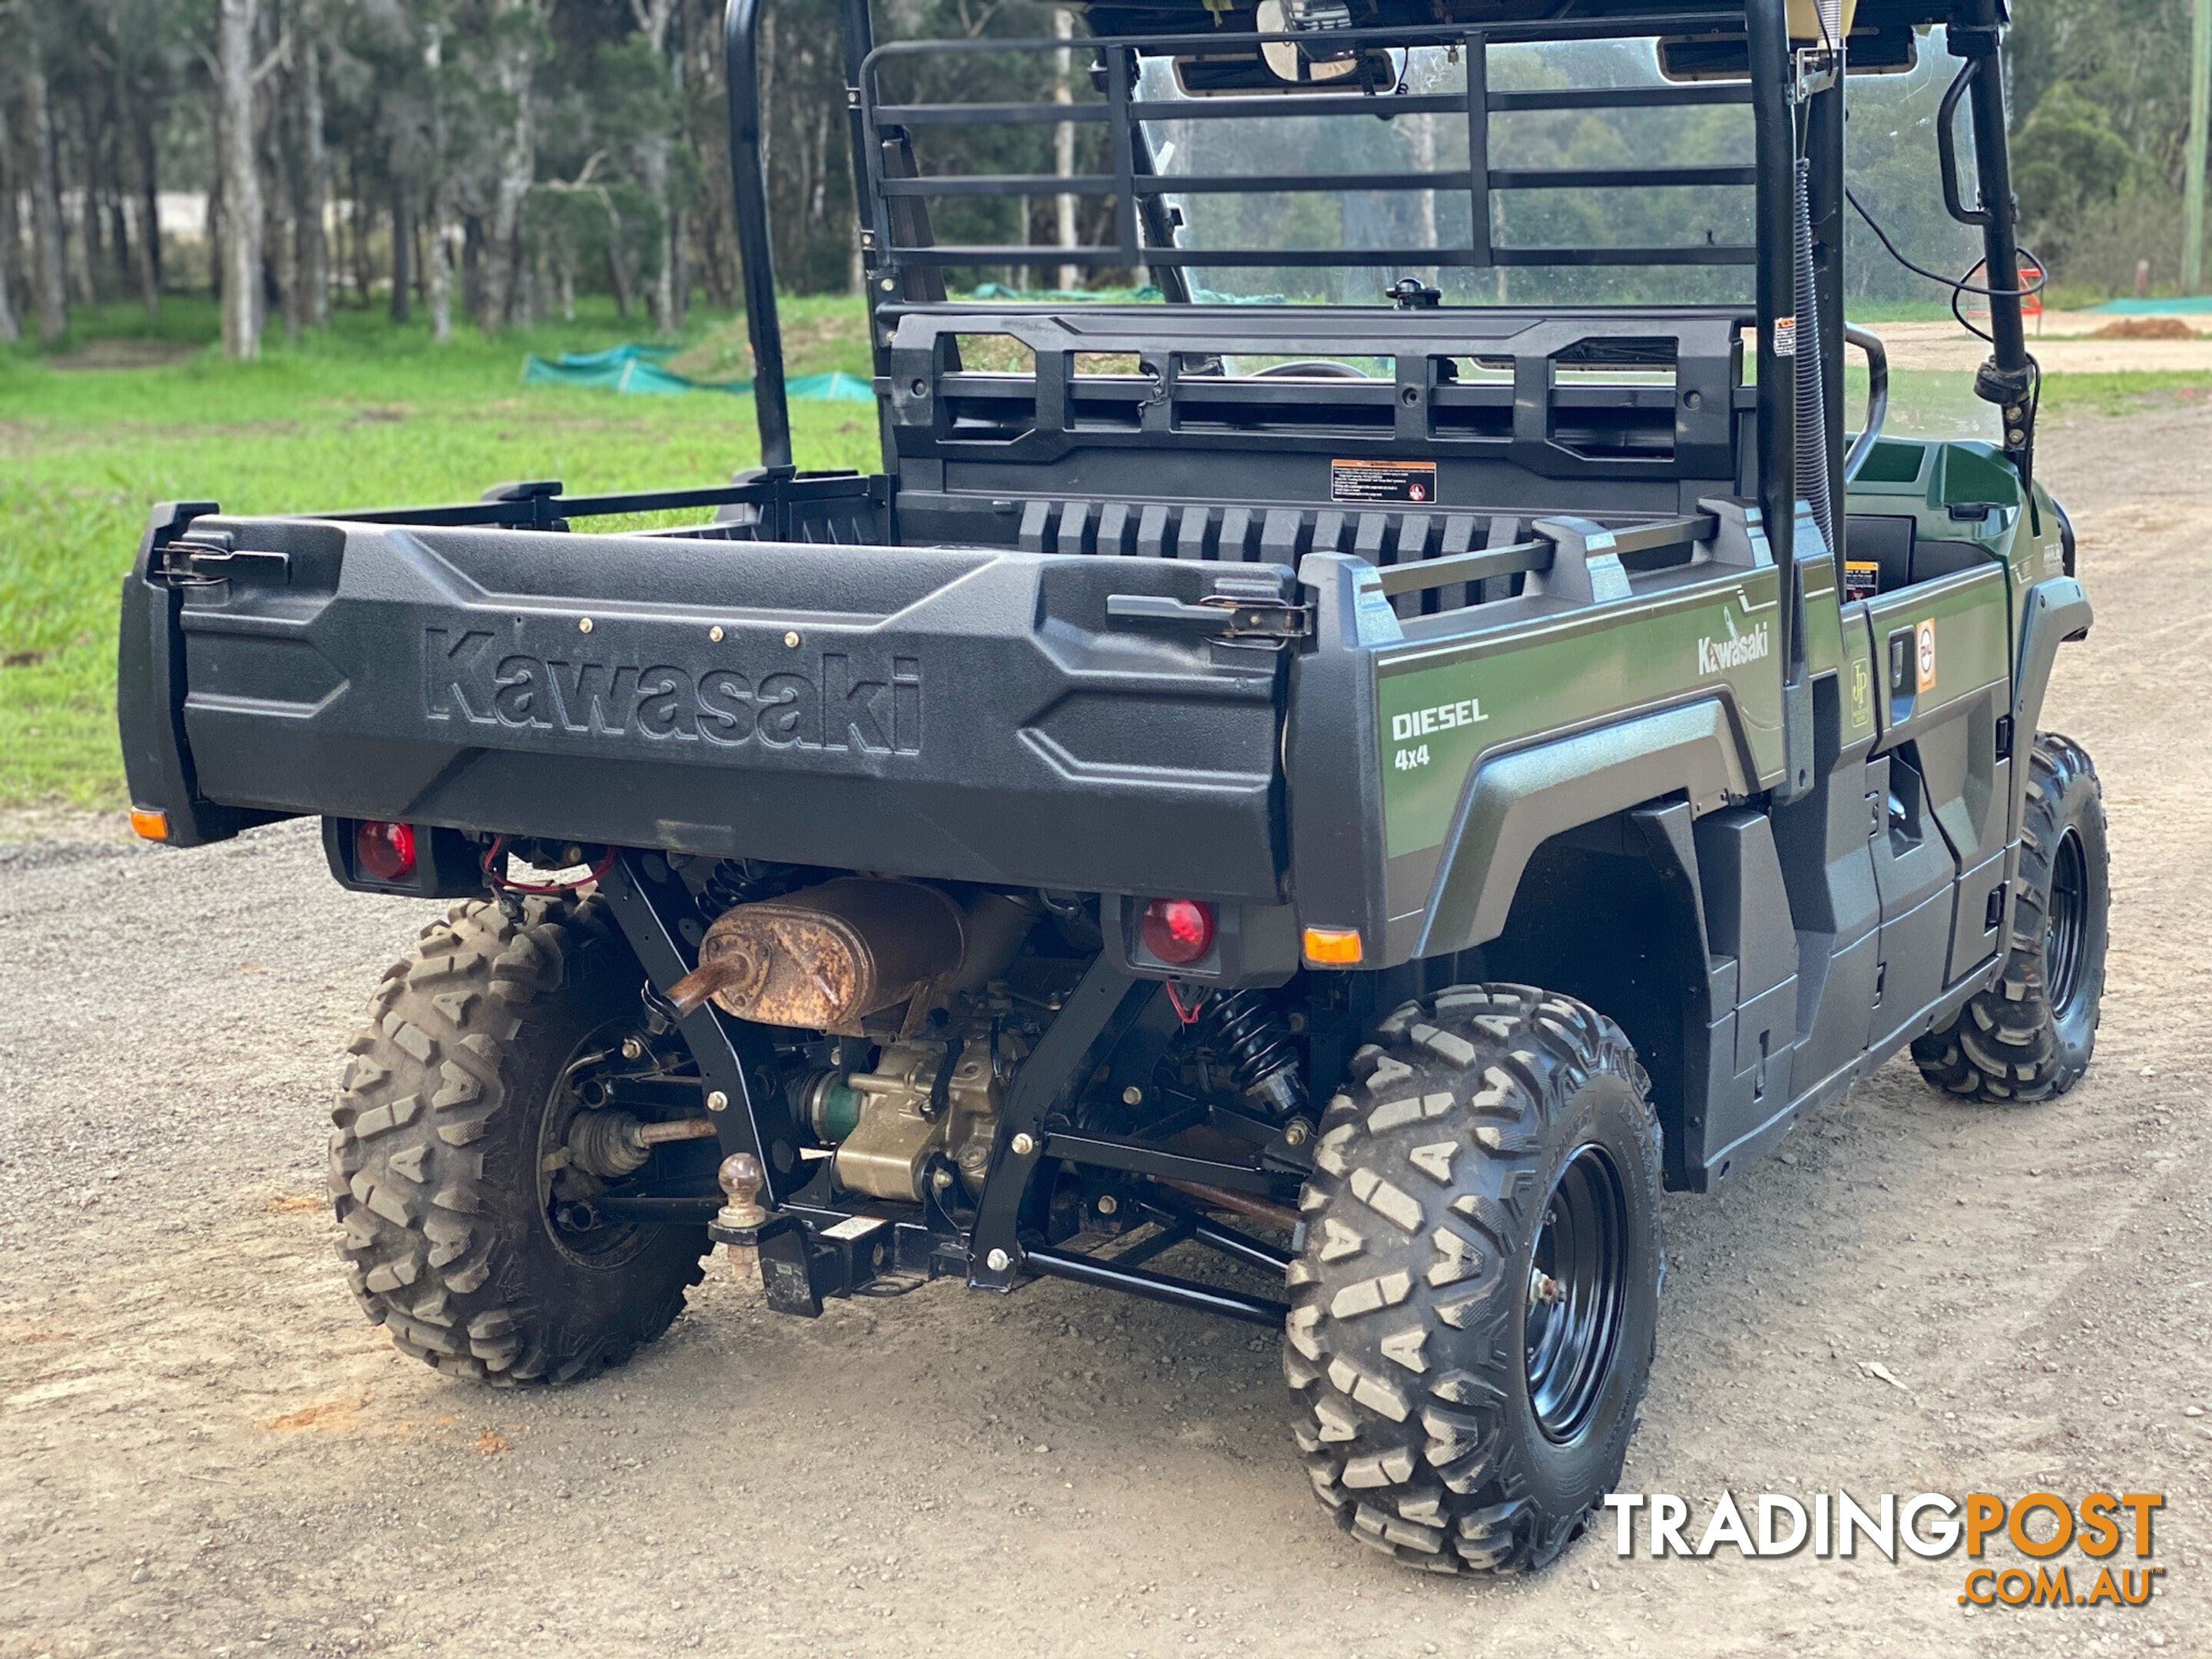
[
  {"x": 639, "y": 369},
  {"x": 2191, "y": 302},
  {"x": 835, "y": 387}
]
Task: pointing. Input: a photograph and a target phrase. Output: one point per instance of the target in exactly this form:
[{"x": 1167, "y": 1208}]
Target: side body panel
[
  {"x": 1836, "y": 927},
  {"x": 1668, "y": 683}
]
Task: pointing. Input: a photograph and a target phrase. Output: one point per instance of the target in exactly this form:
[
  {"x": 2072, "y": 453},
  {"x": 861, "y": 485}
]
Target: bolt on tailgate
[{"x": 978, "y": 714}]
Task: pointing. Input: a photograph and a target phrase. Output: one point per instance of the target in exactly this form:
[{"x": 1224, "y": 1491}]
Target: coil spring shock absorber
[
  {"x": 1267, "y": 1065},
  {"x": 730, "y": 884}
]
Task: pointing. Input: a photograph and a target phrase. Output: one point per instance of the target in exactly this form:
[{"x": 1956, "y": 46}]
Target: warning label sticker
[
  {"x": 1862, "y": 579},
  {"x": 1393, "y": 482}
]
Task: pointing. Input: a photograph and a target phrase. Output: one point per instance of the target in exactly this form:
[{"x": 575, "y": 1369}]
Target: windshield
[
  {"x": 1892, "y": 150},
  {"x": 1892, "y": 160}
]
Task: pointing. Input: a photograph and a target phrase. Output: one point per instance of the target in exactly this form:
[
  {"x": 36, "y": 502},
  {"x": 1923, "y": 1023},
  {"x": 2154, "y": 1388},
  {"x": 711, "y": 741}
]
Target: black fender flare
[
  {"x": 2056, "y": 610},
  {"x": 1518, "y": 800}
]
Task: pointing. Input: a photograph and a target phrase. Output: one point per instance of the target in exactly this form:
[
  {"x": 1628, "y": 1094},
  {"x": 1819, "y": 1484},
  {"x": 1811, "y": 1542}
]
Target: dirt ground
[
  {"x": 2064, "y": 343},
  {"x": 204, "y": 1449}
]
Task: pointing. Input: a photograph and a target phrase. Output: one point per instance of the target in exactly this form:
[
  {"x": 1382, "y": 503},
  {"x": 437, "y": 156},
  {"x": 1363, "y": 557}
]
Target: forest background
[{"x": 488, "y": 160}]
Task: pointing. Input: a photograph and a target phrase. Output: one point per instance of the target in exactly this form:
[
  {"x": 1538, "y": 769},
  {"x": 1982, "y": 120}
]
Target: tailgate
[{"x": 969, "y": 714}]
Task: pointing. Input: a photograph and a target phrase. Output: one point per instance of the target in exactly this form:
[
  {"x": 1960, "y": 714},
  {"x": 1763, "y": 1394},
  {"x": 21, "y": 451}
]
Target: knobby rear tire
[{"x": 435, "y": 1158}]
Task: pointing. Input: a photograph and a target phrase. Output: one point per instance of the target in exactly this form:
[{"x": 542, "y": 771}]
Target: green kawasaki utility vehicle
[{"x": 1372, "y": 778}]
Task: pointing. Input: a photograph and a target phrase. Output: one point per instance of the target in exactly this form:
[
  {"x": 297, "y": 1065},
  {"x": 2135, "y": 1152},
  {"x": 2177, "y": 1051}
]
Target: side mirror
[{"x": 1298, "y": 62}]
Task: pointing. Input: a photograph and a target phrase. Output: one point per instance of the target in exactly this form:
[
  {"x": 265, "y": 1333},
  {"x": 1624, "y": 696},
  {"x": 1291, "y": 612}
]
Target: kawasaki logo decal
[
  {"x": 1715, "y": 655},
  {"x": 843, "y": 705}
]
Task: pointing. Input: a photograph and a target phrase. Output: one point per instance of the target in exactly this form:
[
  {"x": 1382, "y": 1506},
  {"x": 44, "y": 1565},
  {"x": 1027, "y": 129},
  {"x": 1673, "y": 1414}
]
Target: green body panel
[
  {"x": 1977, "y": 621},
  {"x": 1836, "y": 641},
  {"x": 1443, "y": 706},
  {"x": 1924, "y": 479},
  {"x": 1967, "y": 643}
]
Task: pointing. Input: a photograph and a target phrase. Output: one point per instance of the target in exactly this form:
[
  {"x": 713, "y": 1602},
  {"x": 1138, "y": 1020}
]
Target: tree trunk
[
  {"x": 92, "y": 244},
  {"x": 119, "y": 239},
  {"x": 715, "y": 242},
  {"x": 149, "y": 205},
  {"x": 620, "y": 276},
  {"x": 11, "y": 240},
  {"x": 282, "y": 231},
  {"x": 513, "y": 61},
  {"x": 652, "y": 18},
  {"x": 403, "y": 247},
  {"x": 360, "y": 220},
  {"x": 765, "y": 59},
  {"x": 315, "y": 180},
  {"x": 438, "y": 268},
  {"x": 1063, "y": 139},
  {"x": 48, "y": 277},
  {"x": 679, "y": 255},
  {"x": 283, "y": 208},
  {"x": 213, "y": 219},
  {"x": 15, "y": 287},
  {"x": 438, "y": 261},
  {"x": 241, "y": 181},
  {"x": 652, "y": 174},
  {"x": 473, "y": 283}
]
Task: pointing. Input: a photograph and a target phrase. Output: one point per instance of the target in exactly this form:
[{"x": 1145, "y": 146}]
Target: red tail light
[
  {"x": 1178, "y": 931},
  {"x": 384, "y": 852}
]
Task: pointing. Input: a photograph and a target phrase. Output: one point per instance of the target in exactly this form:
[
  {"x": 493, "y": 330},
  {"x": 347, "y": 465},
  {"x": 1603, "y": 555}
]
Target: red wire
[
  {"x": 497, "y": 854},
  {"x": 1189, "y": 1015}
]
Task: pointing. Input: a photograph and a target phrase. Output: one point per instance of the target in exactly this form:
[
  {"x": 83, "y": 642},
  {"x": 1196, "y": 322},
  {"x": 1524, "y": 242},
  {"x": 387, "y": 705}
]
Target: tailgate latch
[
  {"x": 1217, "y": 616},
  {"x": 206, "y": 558}
]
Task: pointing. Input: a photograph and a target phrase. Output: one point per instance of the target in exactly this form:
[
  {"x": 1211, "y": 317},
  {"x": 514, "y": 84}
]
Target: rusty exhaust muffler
[{"x": 825, "y": 959}]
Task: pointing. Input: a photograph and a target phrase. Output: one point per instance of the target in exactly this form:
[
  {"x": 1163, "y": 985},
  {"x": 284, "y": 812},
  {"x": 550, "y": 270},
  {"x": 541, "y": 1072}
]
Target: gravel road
[{"x": 204, "y": 1449}]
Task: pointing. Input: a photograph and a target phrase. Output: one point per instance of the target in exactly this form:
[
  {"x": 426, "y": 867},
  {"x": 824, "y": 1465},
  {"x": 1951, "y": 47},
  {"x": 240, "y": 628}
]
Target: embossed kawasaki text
[{"x": 836, "y": 702}]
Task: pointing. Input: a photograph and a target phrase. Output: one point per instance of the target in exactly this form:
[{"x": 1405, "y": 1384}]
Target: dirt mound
[{"x": 2145, "y": 328}]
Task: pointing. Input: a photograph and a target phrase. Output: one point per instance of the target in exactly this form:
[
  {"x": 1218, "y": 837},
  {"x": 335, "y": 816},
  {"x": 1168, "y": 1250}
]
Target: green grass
[
  {"x": 365, "y": 414},
  {"x": 2118, "y": 394}
]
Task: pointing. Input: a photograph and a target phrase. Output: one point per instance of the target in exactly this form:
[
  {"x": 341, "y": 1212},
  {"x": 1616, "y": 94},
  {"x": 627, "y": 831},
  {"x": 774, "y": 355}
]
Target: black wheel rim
[
  {"x": 1577, "y": 1291},
  {"x": 2065, "y": 924}
]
